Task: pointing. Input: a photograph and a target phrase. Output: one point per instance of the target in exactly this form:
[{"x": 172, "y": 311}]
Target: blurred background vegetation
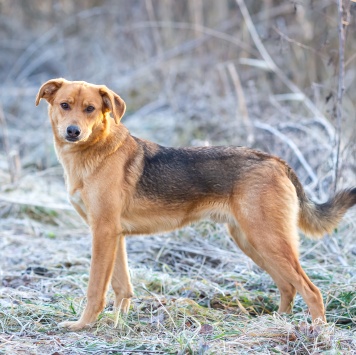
[{"x": 191, "y": 72}]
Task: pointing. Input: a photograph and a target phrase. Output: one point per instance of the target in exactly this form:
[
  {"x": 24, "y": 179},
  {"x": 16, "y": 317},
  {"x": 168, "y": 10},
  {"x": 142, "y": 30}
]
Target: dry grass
[
  {"x": 195, "y": 292},
  {"x": 192, "y": 73}
]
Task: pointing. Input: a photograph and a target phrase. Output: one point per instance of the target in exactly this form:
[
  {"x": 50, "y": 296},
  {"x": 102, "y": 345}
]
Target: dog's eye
[
  {"x": 64, "y": 106},
  {"x": 90, "y": 109}
]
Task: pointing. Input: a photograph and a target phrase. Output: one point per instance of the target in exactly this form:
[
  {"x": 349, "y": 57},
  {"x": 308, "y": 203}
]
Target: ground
[{"x": 195, "y": 291}]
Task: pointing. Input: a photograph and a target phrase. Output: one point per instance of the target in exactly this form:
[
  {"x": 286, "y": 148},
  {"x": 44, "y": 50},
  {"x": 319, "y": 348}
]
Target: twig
[
  {"x": 340, "y": 90},
  {"x": 187, "y": 46},
  {"x": 155, "y": 30},
  {"x": 196, "y": 8},
  {"x": 194, "y": 27},
  {"x": 131, "y": 351},
  {"x": 17, "y": 201},
  {"x": 12, "y": 158},
  {"x": 301, "y": 45},
  {"x": 292, "y": 145},
  {"x": 35, "y": 46},
  {"x": 274, "y": 68},
  {"x": 241, "y": 102},
  {"x": 159, "y": 301}
]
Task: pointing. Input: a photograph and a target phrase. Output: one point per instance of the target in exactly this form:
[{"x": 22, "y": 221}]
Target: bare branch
[
  {"x": 291, "y": 145},
  {"x": 12, "y": 156},
  {"x": 242, "y": 107},
  {"x": 340, "y": 89}
]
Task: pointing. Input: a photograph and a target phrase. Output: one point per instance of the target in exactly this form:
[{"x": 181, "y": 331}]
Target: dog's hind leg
[
  {"x": 286, "y": 289},
  {"x": 120, "y": 281},
  {"x": 276, "y": 256},
  {"x": 268, "y": 215}
]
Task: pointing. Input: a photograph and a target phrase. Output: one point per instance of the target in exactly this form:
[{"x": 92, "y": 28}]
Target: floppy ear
[
  {"x": 48, "y": 90},
  {"x": 112, "y": 103}
]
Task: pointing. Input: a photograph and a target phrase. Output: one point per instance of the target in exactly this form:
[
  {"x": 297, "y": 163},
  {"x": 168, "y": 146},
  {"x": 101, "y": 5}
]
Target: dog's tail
[{"x": 315, "y": 219}]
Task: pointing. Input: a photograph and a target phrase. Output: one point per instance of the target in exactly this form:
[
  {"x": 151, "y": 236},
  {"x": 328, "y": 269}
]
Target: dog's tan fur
[{"x": 121, "y": 185}]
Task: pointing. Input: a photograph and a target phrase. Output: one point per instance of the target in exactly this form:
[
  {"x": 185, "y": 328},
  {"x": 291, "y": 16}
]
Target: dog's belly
[{"x": 161, "y": 220}]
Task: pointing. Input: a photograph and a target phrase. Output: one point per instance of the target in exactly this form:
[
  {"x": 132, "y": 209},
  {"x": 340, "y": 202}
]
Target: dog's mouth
[{"x": 72, "y": 139}]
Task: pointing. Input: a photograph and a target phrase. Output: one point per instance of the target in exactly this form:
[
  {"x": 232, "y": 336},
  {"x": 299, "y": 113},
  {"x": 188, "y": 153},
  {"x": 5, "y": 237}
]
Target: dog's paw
[
  {"x": 73, "y": 325},
  {"x": 122, "y": 305}
]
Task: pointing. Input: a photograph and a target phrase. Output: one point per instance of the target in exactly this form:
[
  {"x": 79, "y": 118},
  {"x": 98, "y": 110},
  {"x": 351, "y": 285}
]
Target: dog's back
[{"x": 181, "y": 174}]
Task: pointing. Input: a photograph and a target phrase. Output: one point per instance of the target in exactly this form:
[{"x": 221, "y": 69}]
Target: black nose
[{"x": 73, "y": 131}]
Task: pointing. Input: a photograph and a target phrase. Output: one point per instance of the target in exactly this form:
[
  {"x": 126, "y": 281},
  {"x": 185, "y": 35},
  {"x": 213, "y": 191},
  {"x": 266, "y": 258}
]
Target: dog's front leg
[
  {"x": 120, "y": 281},
  {"x": 105, "y": 241}
]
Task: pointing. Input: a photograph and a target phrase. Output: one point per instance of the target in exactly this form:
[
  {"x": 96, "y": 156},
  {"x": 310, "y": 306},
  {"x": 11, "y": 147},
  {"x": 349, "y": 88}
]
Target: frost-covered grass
[{"x": 195, "y": 292}]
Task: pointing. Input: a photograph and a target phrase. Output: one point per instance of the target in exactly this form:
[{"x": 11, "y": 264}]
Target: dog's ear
[
  {"x": 48, "y": 90},
  {"x": 112, "y": 103}
]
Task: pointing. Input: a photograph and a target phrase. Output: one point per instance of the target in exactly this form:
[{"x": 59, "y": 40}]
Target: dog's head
[{"x": 77, "y": 108}]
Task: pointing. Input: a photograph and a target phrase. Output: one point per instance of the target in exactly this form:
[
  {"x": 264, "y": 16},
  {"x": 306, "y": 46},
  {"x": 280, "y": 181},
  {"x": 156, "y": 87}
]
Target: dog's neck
[{"x": 104, "y": 141}]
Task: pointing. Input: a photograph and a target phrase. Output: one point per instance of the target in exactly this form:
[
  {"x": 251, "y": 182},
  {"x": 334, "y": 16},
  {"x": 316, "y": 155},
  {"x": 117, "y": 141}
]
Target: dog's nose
[{"x": 73, "y": 131}]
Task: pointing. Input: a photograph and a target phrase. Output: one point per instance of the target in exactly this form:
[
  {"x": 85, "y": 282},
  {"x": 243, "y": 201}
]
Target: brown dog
[{"x": 122, "y": 185}]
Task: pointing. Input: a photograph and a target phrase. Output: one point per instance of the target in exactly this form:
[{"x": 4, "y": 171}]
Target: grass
[{"x": 195, "y": 292}]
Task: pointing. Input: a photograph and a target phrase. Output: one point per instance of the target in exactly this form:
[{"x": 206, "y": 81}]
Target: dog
[{"x": 122, "y": 185}]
